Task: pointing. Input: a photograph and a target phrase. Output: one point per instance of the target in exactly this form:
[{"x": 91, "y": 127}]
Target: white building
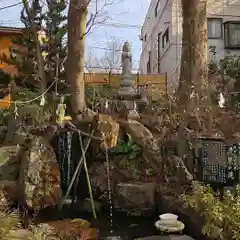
[{"x": 161, "y": 35}]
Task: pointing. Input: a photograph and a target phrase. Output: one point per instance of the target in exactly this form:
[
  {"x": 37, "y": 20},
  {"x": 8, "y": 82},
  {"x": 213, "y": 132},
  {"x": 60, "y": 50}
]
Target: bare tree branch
[
  {"x": 112, "y": 57},
  {"x": 93, "y": 16},
  {"x": 92, "y": 64}
]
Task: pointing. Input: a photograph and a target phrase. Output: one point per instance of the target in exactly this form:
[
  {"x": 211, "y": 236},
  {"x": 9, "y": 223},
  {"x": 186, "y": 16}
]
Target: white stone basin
[{"x": 168, "y": 217}]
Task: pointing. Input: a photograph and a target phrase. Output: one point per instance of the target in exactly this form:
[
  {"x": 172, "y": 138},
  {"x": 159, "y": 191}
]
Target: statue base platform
[
  {"x": 128, "y": 95},
  {"x": 133, "y": 114}
]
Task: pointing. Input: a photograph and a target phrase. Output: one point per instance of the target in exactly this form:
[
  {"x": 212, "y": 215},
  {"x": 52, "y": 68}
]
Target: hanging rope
[{"x": 34, "y": 99}]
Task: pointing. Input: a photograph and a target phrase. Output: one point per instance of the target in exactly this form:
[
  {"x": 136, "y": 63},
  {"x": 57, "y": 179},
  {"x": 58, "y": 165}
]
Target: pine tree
[
  {"x": 51, "y": 19},
  {"x": 56, "y": 29},
  {"x": 23, "y": 55}
]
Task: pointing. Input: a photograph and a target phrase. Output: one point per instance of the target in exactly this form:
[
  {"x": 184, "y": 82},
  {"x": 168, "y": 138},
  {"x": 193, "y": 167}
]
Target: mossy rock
[{"x": 9, "y": 163}]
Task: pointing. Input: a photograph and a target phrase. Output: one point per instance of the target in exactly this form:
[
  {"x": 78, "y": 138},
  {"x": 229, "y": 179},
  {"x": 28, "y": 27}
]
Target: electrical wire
[{"x": 10, "y": 6}]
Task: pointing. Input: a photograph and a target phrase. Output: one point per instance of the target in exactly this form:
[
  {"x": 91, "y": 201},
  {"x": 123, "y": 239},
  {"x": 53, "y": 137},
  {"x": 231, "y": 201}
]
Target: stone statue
[
  {"x": 61, "y": 109},
  {"x": 126, "y": 82},
  {"x": 127, "y": 91}
]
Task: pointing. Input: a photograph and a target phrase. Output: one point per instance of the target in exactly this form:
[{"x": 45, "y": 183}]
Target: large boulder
[
  {"x": 39, "y": 174},
  {"x": 9, "y": 163},
  {"x": 107, "y": 126},
  {"x": 135, "y": 198},
  {"x": 144, "y": 139},
  {"x": 122, "y": 169},
  {"x": 99, "y": 180}
]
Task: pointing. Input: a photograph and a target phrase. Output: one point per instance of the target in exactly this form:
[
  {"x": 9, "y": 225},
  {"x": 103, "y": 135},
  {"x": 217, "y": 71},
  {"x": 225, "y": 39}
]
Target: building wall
[
  {"x": 152, "y": 27},
  {"x": 170, "y": 56},
  {"x": 5, "y": 44},
  {"x": 228, "y": 10}
]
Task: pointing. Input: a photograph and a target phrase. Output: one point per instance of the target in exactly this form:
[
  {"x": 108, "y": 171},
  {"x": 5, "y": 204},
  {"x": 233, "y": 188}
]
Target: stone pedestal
[{"x": 131, "y": 110}]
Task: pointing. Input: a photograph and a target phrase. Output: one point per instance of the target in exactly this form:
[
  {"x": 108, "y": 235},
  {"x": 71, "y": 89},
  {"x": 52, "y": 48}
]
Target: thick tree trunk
[
  {"x": 77, "y": 21},
  {"x": 194, "y": 64}
]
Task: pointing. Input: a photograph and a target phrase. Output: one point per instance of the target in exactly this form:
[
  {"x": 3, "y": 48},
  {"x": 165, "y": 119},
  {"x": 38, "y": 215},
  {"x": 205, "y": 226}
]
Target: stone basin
[{"x": 168, "y": 237}]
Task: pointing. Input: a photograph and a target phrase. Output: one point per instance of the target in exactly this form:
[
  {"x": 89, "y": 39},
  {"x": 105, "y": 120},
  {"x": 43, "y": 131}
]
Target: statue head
[
  {"x": 62, "y": 99},
  {"x": 126, "y": 47}
]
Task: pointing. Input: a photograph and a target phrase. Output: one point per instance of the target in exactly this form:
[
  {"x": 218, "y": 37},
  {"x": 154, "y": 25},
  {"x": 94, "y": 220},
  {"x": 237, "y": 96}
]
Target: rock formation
[{"x": 39, "y": 174}]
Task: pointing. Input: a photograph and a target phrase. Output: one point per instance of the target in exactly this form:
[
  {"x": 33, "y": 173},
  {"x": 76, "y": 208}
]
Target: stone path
[{"x": 169, "y": 237}]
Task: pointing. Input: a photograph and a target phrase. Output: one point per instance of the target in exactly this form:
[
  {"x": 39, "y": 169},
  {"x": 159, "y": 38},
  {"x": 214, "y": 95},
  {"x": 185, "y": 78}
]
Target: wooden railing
[{"x": 156, "y": 83}]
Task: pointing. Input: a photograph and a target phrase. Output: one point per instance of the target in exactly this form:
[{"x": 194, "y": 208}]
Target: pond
[{"x": 128, "y": 227}]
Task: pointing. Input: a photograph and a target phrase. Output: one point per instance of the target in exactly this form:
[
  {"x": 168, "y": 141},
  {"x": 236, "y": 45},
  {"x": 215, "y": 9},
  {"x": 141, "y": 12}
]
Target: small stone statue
[
  {"x": 126, "y": 82},
  {"x": 127, "y": 92},
  {"x": 61, "y": 110}
]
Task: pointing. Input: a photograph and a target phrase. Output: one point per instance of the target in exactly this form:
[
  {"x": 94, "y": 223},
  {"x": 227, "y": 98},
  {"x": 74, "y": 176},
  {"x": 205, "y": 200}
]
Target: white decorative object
[
  {"x": 169, "y": 223},
  {"x": 168, "y": 217},
  {"x": 43, "y": 101},
  {"x": 221, "y": 101},
  {"x": 106, "y": 104}
]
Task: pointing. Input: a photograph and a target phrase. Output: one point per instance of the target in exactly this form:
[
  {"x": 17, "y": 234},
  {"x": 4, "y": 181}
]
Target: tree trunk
[
  {"x": 194, "y": 62},
  {"x": 77, "y": 21}
]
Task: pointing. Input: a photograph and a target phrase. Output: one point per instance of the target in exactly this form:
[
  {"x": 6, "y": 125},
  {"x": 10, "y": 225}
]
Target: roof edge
[{"x": 6, "y": 29}]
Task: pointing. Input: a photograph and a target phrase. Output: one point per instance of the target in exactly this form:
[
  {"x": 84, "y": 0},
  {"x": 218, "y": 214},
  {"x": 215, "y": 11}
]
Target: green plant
[
  {"x": 96, "y": 95},
  {"x": 56, "y": 29},
  {"x": 213, "y": 67},
  {"x": 221, "y": 217}
]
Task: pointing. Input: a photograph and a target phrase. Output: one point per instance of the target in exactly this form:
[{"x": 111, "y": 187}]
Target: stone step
[{"x": 168, "y": 237}]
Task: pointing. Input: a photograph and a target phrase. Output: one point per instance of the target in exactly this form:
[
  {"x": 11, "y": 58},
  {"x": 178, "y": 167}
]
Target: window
[
  {"x": 165, "y": 38},
  {"x": 148, "y": 68},
  {"x": 159, "y": 51},
  {"x": 157, "y": 8},
  {"x": 232, "y": 34},
  {"x": 214, "y": 28},
  {"x": 149, "y": 63},
  {"x": 145, "y": 37}
]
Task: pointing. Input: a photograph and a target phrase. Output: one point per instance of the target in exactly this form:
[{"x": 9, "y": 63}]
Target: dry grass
[
  {"x": 8, "y": 221},
  {"x": 42, "y": 232}
]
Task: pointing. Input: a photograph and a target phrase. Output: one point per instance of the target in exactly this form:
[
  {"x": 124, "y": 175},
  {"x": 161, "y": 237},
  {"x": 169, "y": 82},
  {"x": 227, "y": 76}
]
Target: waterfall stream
[
  {"x": 111, "y": 236},
  {"x": 65, "y": 158}
]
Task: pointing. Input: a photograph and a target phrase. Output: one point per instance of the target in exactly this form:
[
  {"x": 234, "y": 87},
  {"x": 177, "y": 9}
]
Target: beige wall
[{"x": 171, "y": 55}]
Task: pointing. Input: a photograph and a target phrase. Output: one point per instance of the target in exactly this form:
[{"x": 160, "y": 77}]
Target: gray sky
[{"x": 127, "y": 14}]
